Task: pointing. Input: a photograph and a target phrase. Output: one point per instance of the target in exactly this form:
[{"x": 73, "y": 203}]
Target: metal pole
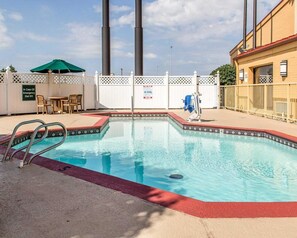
[
  {"x": 255, "y": 25},
  {"x": 244, "y": 23},
  {"x": 105, "y": 38},
  {"x": 138, "y": 39}
]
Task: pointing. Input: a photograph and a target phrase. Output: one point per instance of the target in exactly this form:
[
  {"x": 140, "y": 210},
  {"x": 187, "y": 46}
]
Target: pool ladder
[{"x": 44, "y": 125}]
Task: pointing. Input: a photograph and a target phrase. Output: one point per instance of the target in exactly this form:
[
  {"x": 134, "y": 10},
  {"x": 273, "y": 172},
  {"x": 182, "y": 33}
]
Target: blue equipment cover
[{"x": 188, "y": 103}]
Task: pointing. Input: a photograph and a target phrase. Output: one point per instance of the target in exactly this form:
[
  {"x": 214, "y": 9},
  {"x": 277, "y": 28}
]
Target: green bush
[
  {"x": 12, "y": 69},
  {"x": 227, "y": 74}
]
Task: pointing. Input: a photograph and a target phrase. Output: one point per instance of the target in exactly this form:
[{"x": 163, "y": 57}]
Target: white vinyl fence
[
  {"x": 107, "y": 92},
  {"x": 159, "y": 92},
  {"x": 12, "y": 84}
]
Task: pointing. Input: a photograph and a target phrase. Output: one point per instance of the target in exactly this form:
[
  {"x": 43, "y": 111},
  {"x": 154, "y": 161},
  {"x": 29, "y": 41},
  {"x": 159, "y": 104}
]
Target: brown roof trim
[{"x": 268, "y": 46}]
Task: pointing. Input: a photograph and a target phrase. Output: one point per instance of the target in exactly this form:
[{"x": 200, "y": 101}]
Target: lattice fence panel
[
  {"x": 114, "y": 80},
  {"x": 207, "y": 80},
  {"x": 2, "y": 75},
  {"x": 68, "y": 79},
  {"x": 180, "y": 80},
  {"x": 149, "y": 80},
  {"x": 30, "y": 78},
  {"x": 265, "y": 79}
]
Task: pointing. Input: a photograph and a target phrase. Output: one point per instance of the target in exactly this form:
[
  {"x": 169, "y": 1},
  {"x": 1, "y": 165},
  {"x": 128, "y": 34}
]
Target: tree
[
  {"x": 11, "y": 68},
  {"x": 227, "y": 74}
]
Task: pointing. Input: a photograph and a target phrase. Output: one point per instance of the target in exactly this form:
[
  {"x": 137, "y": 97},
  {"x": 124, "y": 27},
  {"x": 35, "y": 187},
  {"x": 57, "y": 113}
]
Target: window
[{"x": 263, "y": 74}]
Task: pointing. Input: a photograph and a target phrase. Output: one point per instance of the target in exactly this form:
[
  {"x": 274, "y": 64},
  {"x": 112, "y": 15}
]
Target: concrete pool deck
[{"x": 36, "y": 201}]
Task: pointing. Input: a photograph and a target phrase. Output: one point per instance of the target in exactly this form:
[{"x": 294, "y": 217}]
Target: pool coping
[{"x": 168, "y": 199}]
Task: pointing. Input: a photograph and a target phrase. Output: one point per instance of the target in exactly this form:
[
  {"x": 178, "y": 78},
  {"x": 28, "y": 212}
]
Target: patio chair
[
  {"x": 71, "y": 103},
  {"x": 43, "y": 104},
  {"x": 79, "y": 101}
]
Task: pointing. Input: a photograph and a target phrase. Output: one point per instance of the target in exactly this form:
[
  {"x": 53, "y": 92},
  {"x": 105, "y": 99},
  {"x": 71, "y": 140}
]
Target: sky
[{"x": 180, "y": 36}]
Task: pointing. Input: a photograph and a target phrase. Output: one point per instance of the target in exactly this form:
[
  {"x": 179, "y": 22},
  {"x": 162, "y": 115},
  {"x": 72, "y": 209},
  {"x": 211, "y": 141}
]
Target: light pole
[
  {"x": 170, "y": 62},
  {"x": 121, "y": 71}
]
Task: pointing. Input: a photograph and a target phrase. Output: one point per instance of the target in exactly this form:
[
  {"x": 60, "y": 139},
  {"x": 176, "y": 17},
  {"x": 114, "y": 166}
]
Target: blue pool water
[{"x": 215, "y": 167}]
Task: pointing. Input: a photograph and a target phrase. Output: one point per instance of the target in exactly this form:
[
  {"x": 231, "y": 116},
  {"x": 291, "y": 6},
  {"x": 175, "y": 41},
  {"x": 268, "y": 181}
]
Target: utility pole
[
  {"x": 138, "y": 39},
  {"x": 255, "y": 25},
  {"x": 170, "y": 61},
  {"x": 105, "y": 38}
]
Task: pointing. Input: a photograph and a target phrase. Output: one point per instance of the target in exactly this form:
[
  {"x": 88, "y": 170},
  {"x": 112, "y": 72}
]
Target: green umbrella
[{"x": 58, "y": 66}]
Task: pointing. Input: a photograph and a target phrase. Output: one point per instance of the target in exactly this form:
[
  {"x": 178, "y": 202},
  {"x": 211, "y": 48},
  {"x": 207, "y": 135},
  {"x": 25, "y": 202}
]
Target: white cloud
[
  {"x": 120, "y": 48},
  {"x": 123, "y": 20},
  {"x": 83, "y": 41},
  {"x": 190, "y": 21},
  {"x": 15, "y": 16},
  {"x": 122, "y": 8},
  {"x": 150, "y": 56},
  {"x": 5, "y": 40},
  {"x": 23, "y": 35}
]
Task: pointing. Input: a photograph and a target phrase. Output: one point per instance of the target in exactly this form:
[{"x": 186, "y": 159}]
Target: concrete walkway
[
  {"x": 209, "y": 117},
  {"x": 36, "y": 202}
]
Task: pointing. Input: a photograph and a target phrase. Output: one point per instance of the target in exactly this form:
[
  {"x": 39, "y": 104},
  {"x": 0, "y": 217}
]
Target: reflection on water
[
  {"x": 138, "y": 167},
  {"x": 106, "y": 162}
]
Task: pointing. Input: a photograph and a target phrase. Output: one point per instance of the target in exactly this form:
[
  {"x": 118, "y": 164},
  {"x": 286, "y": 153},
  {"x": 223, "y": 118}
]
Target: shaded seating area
[{"x": 43, "y": 104}]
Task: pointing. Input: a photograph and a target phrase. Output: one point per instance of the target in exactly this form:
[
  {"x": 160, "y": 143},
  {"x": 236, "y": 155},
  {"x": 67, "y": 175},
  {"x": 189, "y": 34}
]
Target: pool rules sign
[
  {"x": 147, "y": 92},
  {"x": 28, "y": 92}
]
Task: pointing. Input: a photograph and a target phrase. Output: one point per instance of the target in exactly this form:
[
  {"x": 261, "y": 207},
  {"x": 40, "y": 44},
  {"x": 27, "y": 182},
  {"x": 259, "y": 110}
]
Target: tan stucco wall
[
  {"x": 283, "y": 22},
  {"x": 278, "y": 24},
  {"x": 273, "y": 56}
]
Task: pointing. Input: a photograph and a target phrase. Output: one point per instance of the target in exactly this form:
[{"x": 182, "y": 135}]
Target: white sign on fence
[{"x": 147, "y": 91}]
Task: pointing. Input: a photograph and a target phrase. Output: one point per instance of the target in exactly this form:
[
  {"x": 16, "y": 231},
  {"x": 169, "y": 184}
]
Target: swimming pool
[{"x": 215, "y": 167}]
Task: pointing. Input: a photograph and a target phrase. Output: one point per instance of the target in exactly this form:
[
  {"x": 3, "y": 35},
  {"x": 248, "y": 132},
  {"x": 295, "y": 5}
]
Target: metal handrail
[
  {"x": 14, "y": 134},
  {"x": 25, "y": 146},
  {"x": 23, "y": 161}
]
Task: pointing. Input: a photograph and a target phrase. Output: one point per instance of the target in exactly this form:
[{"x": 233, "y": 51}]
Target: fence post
[
  {"x": 225, "y": 95},
  {"x": 84, "y": 91},
  {"x": 248, "y": 98},
  {"x": 97, "y": 91},
  {"x": 265, "y": 100},
  {"x": 235, "y": 95},
  {"x": 8, "y": 89},
  {"x": 132, "y": 80},
  {"x": 49, "y": 83},
  {"x": 167, "y": 83},
  {"x": 195, "y": 82},
  {"x": 218, "y": 89},
  {"x": 288, "y": 103}
]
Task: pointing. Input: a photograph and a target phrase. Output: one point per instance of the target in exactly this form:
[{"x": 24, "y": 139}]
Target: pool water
[{"x": 213, "y": 167}]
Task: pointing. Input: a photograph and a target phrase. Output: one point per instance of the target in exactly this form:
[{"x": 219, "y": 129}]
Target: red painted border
[{"x": 171, "y": 200}]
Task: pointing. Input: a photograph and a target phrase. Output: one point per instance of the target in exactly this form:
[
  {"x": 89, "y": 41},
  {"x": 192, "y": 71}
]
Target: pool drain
[{"x": 176, "y": 176}]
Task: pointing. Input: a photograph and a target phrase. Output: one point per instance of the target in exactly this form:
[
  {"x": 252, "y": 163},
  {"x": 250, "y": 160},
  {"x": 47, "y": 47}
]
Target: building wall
[
  {"x": 272, "y": 56},
  {"x": 278, "y": 24}
]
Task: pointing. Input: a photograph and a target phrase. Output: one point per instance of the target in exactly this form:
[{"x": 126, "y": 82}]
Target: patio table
[{"x": 57, "y": 103}]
